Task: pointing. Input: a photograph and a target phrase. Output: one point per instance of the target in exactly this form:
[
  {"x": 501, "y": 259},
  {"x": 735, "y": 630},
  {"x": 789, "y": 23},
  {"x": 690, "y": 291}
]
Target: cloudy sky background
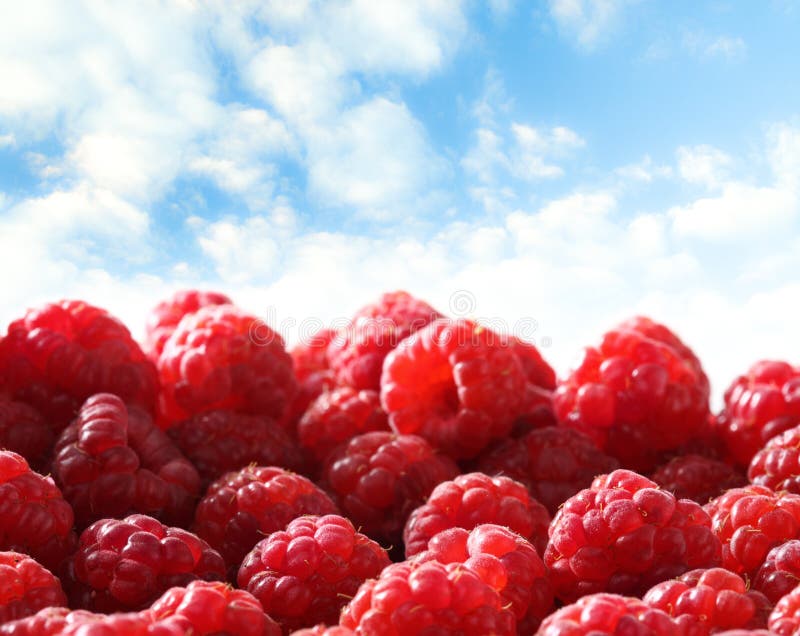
[{"x": 551, "y": 166}]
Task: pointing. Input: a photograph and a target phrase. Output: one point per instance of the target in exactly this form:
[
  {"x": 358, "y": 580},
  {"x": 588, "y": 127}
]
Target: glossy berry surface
[
  {"x": 305, "y": 574},
  {"x": 24, "y": 431},
  {"x": 26, "y": 587},
  {"x": 780, "y": 572},
  {"x": 323, "y": 630},
  {"x": 473, "y": 499},
  {"x": 624, "y": 535},
  {"x": 697, "y": 477},
  {"x": 785, "y": 617},
  {"x": 640, "y": 394},
  {"x": 777, "y": 464},
  {"x": 113, "y": 461}
]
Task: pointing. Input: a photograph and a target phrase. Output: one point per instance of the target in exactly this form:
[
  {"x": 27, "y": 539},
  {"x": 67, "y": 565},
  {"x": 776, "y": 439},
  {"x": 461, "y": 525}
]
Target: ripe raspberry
[
  {"x": 48, "y": 621},
  {"x": 337, "y": 417},
  {"x": 698, "y": 478},
  {"x": 125, "y": 564},
  {"x": 166, "y": 315},
  {"x": 785, "y": 617},
  {"x": 554, "y": 463},
  {"x": 357, "y": 352},
  {"x": 34, "y": 518},
  {"x": 413, "y": 598},
  {"x": 322, "y": 630},
  {"x": 458, "y": 385},
  {"x": 59, "y": 621},
  {"x": 599, "y": 614},
  {"x": 222, "y": 441},
  {"x": 308, "y": 390},
  {"x": 26, "y": 587},
  {"x": 24, "y": 431},
  {"x": 639, "y": 395},
  {"x": 305, "y": 574},
  {"x": 240, "y": 508},
  {"x": 780, "y": 572},
  {"x": 713, "y": 599},
  {"x": 473, "y": 499},
  {"x": 777, "y": 465},
  {"x": 57, "y": 356},
  {"x": 749, "y": 522},
  {"x": 379, "y": 478},
  {"x": 624, "y": 535},
  {"x": 311, "y": 355},
  {"x": 223, "y": 358},
  {"x": 114, "y": 461},
  {"x": 759, "y": 406}
]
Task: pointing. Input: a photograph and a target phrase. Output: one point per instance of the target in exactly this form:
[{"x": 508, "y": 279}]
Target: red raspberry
[
  {"x": 640, "y": 394},
  {"x": 24, "y": 431},
  {"x": 58, "y": 621},
  {"x": 357, "y": 352},
  {"x": 114, "y": 461},
  {"x": 750, "y": 522},
  {"x": 697, "y": 477},
  {"x": 48, "y": 621},
  {"x": 457, "y": 384},
  {"x": 713, "y": 599},
  {"x": 379, "y": 478},
  {"x": 222, "y": 441},
  {"x": 166, "y": 315},
  {"x": 26, "y": 587},
  {"x": 413, "y": 598},
  {"x": 34, "y": 518},
  {"x": 759, "y": 406},
  {"x": 308, "y": 390},
  {"x": 473, "y": 499},
  {"x": 223, "y": 358},
  {"x": 624, "y": 535},
  {"x": 600, "y": 614},
  {"x": 124, "y": 564},
  {"x": 57, "y": 356},
  {"x": 780, "y": 572},
  {"x": 785, "y": 618},
  {"x": 337, "y": 417},
  {"x": 322, "y": 630},
  {"x": 305, "y": 574},
  {"x": 777, "y": 465},
  {"x": 554, "y": 463},
  {"x": 240, "y": 508},
  {"x": 311, "y": 355}
]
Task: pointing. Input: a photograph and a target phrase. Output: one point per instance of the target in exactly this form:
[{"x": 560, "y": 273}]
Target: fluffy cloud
[
  {"x": 589, "y": 22},
  {"x": 704, "y": 165}
]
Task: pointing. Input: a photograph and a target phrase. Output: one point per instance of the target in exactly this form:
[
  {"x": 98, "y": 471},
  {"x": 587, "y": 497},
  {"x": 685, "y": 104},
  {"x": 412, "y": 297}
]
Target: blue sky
[{"x": 570, "y": 162}]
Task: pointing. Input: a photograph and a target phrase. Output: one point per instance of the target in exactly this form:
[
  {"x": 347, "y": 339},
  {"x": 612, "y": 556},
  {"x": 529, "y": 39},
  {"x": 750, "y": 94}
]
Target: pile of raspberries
[{"x": 406, "y": 474}]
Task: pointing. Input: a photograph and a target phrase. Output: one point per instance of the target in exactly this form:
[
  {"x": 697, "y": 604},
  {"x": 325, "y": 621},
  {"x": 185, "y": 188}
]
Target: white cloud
[
  {"x": 709, "y": 46},
  {"x": 703, "y": 165},
  {"x": 242, "y": 252},
  {"x": 589, "y": 22},
  {"x": 8, "y": 140},
  {"x": 645, "y": 170}
]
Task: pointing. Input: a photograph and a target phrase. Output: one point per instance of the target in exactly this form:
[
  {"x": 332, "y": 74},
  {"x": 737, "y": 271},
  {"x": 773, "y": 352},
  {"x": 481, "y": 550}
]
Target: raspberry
[
  {"x": 322, "y": 630},
  {"x": 24, "y": 431},
  {"x": 166, "y": 315},
  {"x": 337, "y": 417},
  {"x": 308, "y": 390},
  {"x": 379, "y": 478},
  {"x": 785, "y": 617},
  {"x": 639, "y": 395},
  {"x": 305, "y": 574},
  {"x": 458, "y": 385},
  {"x": 26, "y": 587},
  {"x": 240, "y": 508},
  {"x": 758, "y": 406},
  {"x": 311, "y": 355},
  {"x": 356, "y": 353},
  {"x": 222, "y": 441},
  {"x": 48, "y": 621},
  {"x": 413, "y": 598},
  {"x": 223, "y": 358},
  {"x": 698, "y": 478},
  {"x": 597, "y": 614},
  {"x": 503, "y": 560},
  {"x": 713, "y": 599},
  {"x": 114, "y": 461},
  {"x": 624, "y": 535},
  {"x": 34, "y": 518},
  {"x": 750, "y": 522},
  {"x": 554, "y": 463},
  {"x": 57, "y": 356},
  {"x": 777, "y": 465},
  {"x": 58, "y": 621},
  {"x": 125, "y": 564},
  {"x": 780, "y": 572},
  {"x": 473, "y": 499}
]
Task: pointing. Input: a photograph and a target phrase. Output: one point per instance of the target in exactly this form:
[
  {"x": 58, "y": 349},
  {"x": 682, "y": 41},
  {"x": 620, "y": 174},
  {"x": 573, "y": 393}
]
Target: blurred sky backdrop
[{"x": 568, "y": 162}]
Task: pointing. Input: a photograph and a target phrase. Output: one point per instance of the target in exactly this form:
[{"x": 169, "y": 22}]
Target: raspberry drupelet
[
  {"x": 113, "y": 460},
  {"x": 758, "y": 406},
  {"x": 697, "y": 477},
  {"x": 780, "y": 572},
  {"x": 26, "y": 587},
  {"x": 640, "y": 394},
  {"x": 554, "y": 463},
  {"x": 624, "y": 535},
  {"x": 305, "y": 574},
  {"x": 785, "y": 617},
  {"x": 379, "y": 478},
  {"x": 311, "y": 355},
  {"x": 57, "y": 356},
  {"x": 777, "y": 465},
  {"x": 59, "y": 621},
  {"x": 241, "y": 508},
  {"x": 473, "y": 499},
  {"x": 24, "y": 431},
  {"x": 323, "y": 630},
  {"x": 125, "y": 564},
  {"x": 34, "y": 517}
]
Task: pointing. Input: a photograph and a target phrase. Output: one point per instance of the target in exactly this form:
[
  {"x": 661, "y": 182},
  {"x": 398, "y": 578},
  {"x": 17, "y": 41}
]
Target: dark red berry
[
  {"x": 310, "y": 356},
  {"x": 780, "y": 572},
  {"x": 697, "y": 477},
  {"x": 24, "y": 431},
  {"x": 26, "y": 587},
  {"x": 322, "y": 630},
  {"x": 785, "y": 617}
]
